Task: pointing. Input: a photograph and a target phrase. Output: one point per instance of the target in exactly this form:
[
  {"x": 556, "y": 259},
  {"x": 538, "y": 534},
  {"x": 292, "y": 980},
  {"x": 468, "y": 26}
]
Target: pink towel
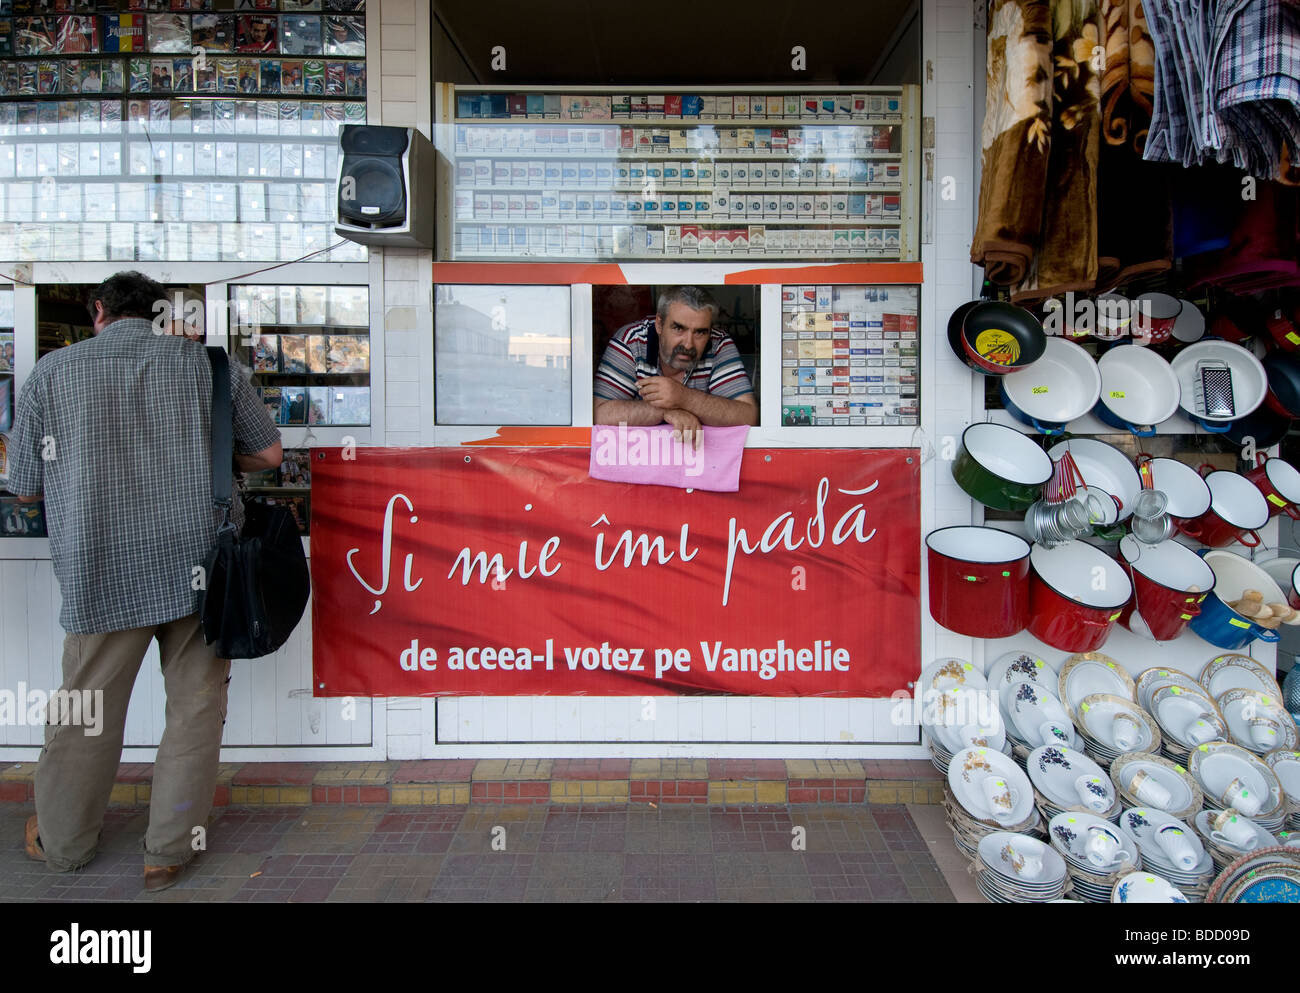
[{"x": 623, "y": 454}]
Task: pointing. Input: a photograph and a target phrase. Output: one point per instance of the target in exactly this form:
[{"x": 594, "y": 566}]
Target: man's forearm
[
  {"x": 633, "y": 412},
  {"x": 719, "y": 411}
]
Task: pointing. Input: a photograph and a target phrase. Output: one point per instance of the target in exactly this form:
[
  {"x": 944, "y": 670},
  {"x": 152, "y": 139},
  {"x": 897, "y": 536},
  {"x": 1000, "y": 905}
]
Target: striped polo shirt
[{"x": 633, "y": 355}]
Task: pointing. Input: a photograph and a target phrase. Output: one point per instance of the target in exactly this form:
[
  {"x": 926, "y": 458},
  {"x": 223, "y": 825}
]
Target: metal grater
[{"x": 1216, "y": 389}]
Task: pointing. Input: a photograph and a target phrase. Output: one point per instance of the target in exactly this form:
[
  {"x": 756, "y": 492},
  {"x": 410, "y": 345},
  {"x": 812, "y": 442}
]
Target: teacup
[
  {"x": 1093, "y": 793},
  {"x": 1055, "y": 733},
  {"x": 1199, "y": 731},
  {"x": 1000, "y": 797},
  {"x": 1126, "y": 731},
  {"x": 1148, "y": 790},
  {"x": 1178, "y": 846},
  {"x": 1102, "y": 847},
  {"x": 1242, "y": 798},
  {"x": 1026, "y": 865},
  {"x": 1264, "y": 732},
  {"x": 1237, "y": 832}
]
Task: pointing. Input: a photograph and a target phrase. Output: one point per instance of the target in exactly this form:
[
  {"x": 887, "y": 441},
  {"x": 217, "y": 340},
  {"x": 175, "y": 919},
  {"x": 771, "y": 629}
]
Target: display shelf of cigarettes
[
  {"x": 176, "y": 180},
  {"x": 875, "y": 106},
  {"x": 849, "y": 356},
  {"x": 751, "y": 192}
]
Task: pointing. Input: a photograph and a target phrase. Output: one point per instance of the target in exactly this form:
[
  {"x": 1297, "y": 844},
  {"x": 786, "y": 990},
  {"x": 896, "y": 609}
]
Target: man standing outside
[
  {"x": 114, "y": 432},
  {"x": 675, "y": 368}
]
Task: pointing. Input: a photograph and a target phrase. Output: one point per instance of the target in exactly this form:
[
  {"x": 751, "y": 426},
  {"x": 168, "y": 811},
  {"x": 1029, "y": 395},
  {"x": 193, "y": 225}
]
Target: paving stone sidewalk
[{"x": 361, "y": 854}]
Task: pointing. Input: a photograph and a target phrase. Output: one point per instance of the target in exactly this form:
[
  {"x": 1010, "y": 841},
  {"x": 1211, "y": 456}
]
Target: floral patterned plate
[
  {"x": 1091, "y": 672},
  {"x": 1054, "y": 770},
  {"x": 1140, "y": 824},
  {"x": 966, "y": 773}
]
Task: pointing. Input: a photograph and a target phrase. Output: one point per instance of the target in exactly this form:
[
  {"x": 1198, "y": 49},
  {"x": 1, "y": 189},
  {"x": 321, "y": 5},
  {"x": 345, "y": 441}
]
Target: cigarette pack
[
  {"x": 739, "y": 107},
  {"x": 775, "y": 106},
  {"x": 709, "y": 106},
  {"x": 691, "y": 105},
  {"x": 620, "y": 106}
]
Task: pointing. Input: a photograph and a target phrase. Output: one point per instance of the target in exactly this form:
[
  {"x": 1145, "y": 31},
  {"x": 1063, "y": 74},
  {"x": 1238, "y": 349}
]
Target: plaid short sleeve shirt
[
  {"x": 115, "y": 432},
  {"x": 633, "y": 354}
]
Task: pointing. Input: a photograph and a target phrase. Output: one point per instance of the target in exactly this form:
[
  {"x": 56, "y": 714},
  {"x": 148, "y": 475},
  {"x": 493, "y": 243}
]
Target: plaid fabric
[
  {"x": 629, "y": 357},
  {"x": 115, "y": 431},
  {"x": 1227, "y": 82}
]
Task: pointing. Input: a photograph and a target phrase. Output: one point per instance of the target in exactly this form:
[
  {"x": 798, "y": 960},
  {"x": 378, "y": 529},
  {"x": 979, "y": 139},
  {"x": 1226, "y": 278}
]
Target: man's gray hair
[{"x": 692, "y": 296}]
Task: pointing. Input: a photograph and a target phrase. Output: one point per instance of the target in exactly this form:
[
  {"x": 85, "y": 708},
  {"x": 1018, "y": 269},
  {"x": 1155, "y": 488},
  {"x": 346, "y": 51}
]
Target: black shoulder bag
[{"x": 256, "y": 584}]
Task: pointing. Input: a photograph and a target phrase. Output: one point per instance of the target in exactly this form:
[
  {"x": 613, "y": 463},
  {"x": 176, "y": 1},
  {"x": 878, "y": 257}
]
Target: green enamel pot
[{"x": 1000, "y": 467}]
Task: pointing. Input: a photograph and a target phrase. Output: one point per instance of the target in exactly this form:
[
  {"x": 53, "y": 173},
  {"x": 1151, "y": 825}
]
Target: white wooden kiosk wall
[{"x": 273, "y": 715}]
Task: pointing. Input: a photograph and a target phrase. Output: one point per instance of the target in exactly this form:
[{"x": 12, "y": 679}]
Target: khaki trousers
[{"x": 74, "y": 779}]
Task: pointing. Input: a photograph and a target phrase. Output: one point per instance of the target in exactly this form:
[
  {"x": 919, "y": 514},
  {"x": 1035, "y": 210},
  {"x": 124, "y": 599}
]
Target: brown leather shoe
[
  {"x": 161, "y": 877},
  {"x": 32, "y": 841}
]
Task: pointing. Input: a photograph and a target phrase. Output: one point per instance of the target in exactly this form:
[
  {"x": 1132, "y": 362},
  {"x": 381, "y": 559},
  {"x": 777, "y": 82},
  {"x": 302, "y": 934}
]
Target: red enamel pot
[
  {"x": 1163, "y": 576},
  {"x": 1280, "y": 483},
  {"x": 1076, "y": 595},
  {"x": 978, "y": 581},
  {"x": 1237, "y": 509}
]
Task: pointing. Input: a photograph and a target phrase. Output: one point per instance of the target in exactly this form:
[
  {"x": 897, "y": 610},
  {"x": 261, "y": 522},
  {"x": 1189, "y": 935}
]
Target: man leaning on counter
[{"x": 675, "y": 368}]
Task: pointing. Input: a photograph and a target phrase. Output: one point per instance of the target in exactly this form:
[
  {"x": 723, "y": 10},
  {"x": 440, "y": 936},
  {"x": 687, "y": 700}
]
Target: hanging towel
[{"x": 1016, "y": 139}]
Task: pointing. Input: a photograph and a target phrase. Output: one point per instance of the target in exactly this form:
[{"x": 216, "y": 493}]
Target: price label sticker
[
  {"x": 1117, "y": 394},
  {"x": 1038, "y": 390}
]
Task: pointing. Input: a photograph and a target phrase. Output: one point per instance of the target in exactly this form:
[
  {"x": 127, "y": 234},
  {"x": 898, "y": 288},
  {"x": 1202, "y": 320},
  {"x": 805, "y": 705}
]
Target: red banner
[{"x": 510, "y": 572}]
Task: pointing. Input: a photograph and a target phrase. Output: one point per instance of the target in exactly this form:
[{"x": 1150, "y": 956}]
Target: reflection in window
[{"x": 502, "y": 355}]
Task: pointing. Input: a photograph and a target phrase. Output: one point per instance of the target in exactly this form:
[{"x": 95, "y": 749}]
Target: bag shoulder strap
[{"x": 223, "y": 431}]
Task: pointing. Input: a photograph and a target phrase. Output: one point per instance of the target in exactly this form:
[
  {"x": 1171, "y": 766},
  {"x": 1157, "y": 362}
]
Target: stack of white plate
[
  {"x": 1141, "y": 825},
  {"x": 1030, "y": 710},
  {"x": 940, "y": 757},
  {"x": 1149, "y": 682},
  {"x": 1019, "y": 869},
  {"x": 1222, "y": 851},
  {"x": 1069, "y": 834},
  {"x": 1257, "y": 721},
  {"x": 1061, "y": 776},
  {"x": 1218, "y": 765},
  {"x": 1236, "y": 671},
  {"x": 1105, "y": 739},
  {"x": 956, "y": 709},
  {"x": 1146, "y": 887},
  {"x": 1286, "y": 766},
  {"x": 1185, "y": 796},
  {"x": 1187, "y": 717},
  {"x": 1091, "y": 672}
]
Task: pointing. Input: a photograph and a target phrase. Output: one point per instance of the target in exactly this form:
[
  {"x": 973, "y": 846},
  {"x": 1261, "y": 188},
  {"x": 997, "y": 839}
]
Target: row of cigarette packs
[
  {"x": 605, "y": 174},
  {"x": 684, "y": 239},
  {"x": 312, "y": 118},
  {"x": 671, "y": 106},
  {"x": 268, "y": 305},
  {"x": 805, "y": 411},
  {"x": 797, "y": 141},
  {"x": 846, "y": 299},
  {"x": 836, "y": 323},
  {"x": 310, "y": 353},
  {"x": 701, "y": 205},
  {"x": 199, "y": 202},
  {"x": 177, "y": 242},
  {"x": 317, "y": 404},
  {"x": 90, "y": 159}
]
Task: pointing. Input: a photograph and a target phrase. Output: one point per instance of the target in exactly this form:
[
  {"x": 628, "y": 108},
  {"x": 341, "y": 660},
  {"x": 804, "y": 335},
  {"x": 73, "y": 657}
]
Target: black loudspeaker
[{"x": 385, "y": 191}]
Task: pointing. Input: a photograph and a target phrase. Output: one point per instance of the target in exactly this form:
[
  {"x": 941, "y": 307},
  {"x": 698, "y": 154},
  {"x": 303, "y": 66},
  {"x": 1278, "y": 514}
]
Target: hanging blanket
[{"x": 1016, "y": 139}]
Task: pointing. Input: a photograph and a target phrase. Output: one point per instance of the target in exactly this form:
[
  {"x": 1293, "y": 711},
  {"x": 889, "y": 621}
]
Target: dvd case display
[
  {"x": 257, "y": 33},
  {"x": 345, "y": 35},
  {"x": 295, "y": 469},
  {"x": 213, "y": 32},
  {"x": 348, "y": 354},
  {"x": 349, "y": 405},
  {"x": 168, "y": 32},
  {"x": 293, "y": 405},
  {"x": 301, "y": 35},
  {"x": 293, "y": 353}
]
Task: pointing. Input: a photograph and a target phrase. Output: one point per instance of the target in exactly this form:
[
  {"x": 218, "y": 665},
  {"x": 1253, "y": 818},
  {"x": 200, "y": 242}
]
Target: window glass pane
[{"x": 502, "y": 355}]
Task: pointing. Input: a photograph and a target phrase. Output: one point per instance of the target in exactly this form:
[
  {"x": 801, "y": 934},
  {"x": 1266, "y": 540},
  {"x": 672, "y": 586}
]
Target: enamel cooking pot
[
  {"x": 1280, "y": 483},
  {"x": 1000, "y": 467},
  {"x": 1218, "y": 623},
  {"x": 1163, "y": 577},
  {"x": 1237, "y": 509},
  {"x": 1186, "y": 489},
  {"x": 979, "y": 581},
  {"x": 1061, "y": 386},
  {"x": 1138, "y": 390},
  {"x": 1076, "y": 594}
]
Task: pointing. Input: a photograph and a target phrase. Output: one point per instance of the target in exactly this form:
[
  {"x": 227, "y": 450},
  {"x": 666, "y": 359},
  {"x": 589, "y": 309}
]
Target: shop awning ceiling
[{"x": 675, "y": 42}]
